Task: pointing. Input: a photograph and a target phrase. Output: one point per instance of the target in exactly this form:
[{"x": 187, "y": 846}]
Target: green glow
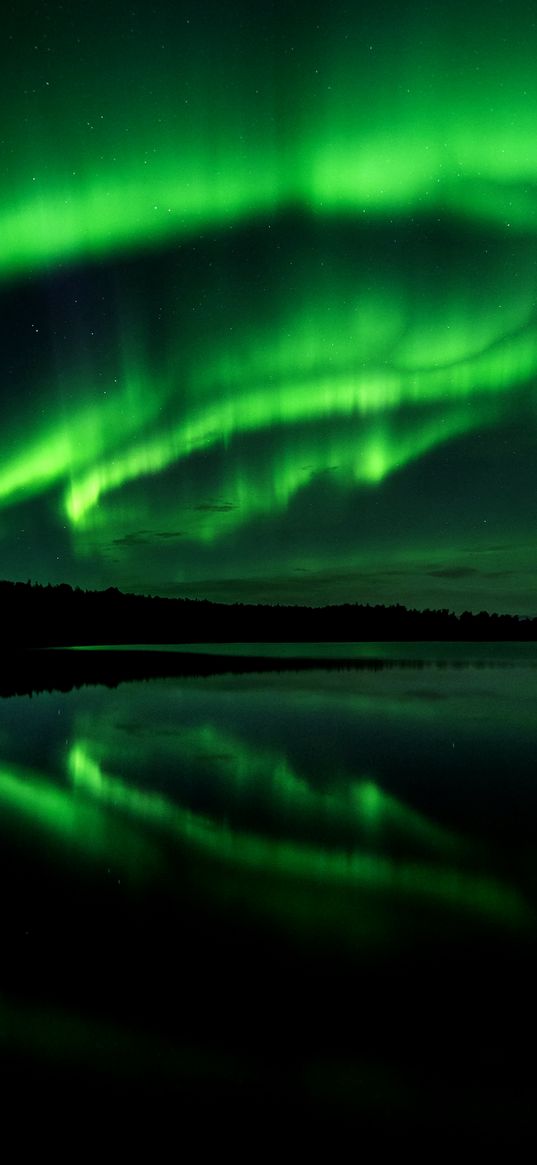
[
  {"x": 390, "y": 372},
  {"x": 77, "y": 439},
  {"x": 378, "y": 451},
  {"x": 108, "y": 216},
  {"x": 360, "y": 804},
  {"x": 359, "y": 869},
  {"x": 93, "y": 171},
  {"x": 240, "y": 258},
  {"x": 79, "y": 825},
  {"x": 352, "y": 396}
]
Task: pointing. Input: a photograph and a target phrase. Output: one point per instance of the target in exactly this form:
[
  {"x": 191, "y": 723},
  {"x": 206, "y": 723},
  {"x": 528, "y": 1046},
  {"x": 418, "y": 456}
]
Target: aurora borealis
[{"x": 269, "y": 299}]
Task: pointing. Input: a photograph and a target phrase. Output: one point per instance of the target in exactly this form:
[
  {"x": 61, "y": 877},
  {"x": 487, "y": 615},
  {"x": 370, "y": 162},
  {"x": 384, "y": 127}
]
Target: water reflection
[
  {"x": 223, "y": 839},
  {"x": 295, "y": 790}
]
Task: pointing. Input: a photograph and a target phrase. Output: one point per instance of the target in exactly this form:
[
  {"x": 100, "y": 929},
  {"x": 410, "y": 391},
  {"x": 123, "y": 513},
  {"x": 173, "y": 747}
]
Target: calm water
[{"x": 299, "y": 892}]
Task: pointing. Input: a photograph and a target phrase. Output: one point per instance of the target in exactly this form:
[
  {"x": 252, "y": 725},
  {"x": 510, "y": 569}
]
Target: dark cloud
[
  {"x": 215, "y": 507},
  {"x": 147, "y": 537},
  {"x": 415, "y": 584},
  {"x": 454, "y": 572},
  {"x": 428, "y": 695}
]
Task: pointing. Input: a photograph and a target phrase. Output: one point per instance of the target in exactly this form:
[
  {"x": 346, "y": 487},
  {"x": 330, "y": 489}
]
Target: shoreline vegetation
[
  {"x": 42, "y": 625},
  {"x": 61, "y": 616}
]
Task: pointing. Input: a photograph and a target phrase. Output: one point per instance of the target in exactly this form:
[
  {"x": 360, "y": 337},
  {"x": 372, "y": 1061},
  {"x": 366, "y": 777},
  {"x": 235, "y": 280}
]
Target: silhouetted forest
[{"x": 45, "y": 616}]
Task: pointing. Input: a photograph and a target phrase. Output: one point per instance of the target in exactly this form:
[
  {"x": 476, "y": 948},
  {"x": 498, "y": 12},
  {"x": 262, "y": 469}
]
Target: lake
[{"x": 308, "y": 892}]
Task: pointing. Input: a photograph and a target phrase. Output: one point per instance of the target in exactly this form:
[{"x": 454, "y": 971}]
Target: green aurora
[{"x": 269, "y": 290}]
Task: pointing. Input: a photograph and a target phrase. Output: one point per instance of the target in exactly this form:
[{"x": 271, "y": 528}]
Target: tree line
[{"x": 37, "y": 615}]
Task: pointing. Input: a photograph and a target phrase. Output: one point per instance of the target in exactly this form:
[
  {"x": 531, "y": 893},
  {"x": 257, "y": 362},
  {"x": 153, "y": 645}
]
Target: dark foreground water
[{"x": 236, "y": 900}]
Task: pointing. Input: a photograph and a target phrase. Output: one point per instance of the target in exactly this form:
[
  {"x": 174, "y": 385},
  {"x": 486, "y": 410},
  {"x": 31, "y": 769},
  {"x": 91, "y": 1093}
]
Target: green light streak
[
  {"x": 108, "y": 217},
  {"x": 80, "y": 438},
  {"x": 357, "y": 869},
  {"x": 106, "y": 212},
  {"x": 377, "y": 451},
  {"x": 358, "y": 804},
  {"x": 349, "y": 395},
  {"x": 79, "y": 825},
  {"x": 446, "y": 123},
  {"x": 343, "y": 329}
]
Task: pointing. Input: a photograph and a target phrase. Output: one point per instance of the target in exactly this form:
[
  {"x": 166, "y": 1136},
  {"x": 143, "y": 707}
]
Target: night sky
[{"x": 268, "y": 281}]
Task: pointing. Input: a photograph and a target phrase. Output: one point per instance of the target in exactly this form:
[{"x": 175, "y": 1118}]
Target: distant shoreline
[
  {"x": 30, "y": 671},
  {"x": 60, "y": 616}
]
